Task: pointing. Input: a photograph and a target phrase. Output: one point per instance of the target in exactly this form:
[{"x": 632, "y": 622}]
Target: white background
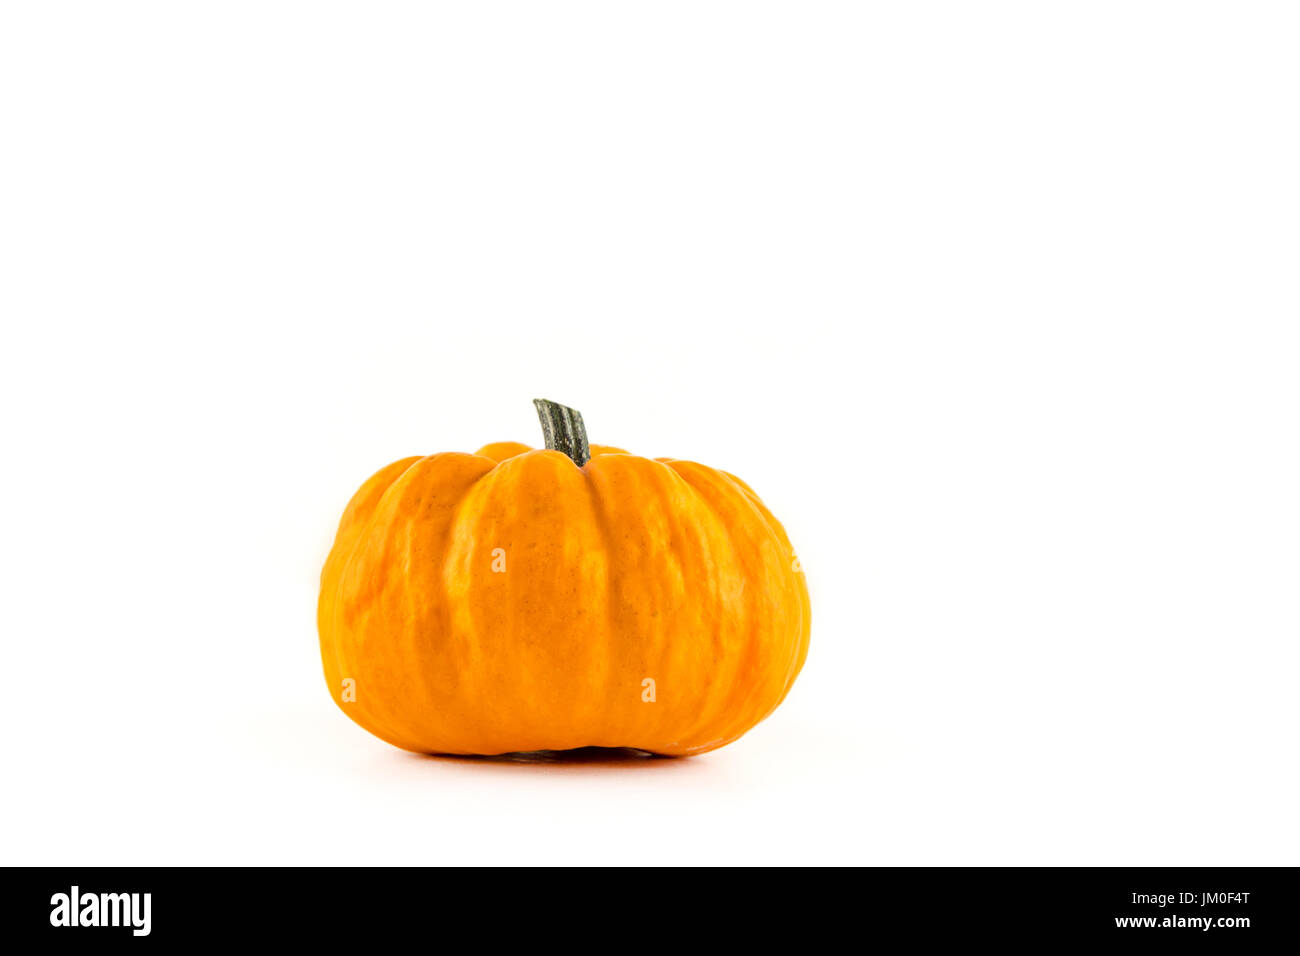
[{"x": 995, "y": 304}]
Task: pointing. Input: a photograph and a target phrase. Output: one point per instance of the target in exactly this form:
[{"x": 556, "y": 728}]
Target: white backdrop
[{"x": 995, "y": 304}]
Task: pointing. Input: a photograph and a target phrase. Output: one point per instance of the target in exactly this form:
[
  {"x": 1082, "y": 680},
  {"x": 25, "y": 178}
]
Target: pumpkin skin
[{"x": 512, "y": 600}]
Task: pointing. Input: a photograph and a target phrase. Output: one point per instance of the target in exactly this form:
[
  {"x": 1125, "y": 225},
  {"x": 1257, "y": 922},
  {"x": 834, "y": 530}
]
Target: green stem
[{"x": 563, "y": 429}]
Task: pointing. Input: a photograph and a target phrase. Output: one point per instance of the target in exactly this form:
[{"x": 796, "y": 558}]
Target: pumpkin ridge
[
  {"x": 744, "y": 693},
  {"x": 751, "y": 612},
  {"x": 669, "y": 481},
  {"x": 391, "y": 723},
  {"x": 342, "y": 655},
  {"x": 731, "y": 665},
  {"x": 348, "y": 664},
  {"x": 424, "y": 632},
  {"x": 800, "y": 649},
  {"x": 340, "y": 566},
  {"x": 612, "y": 579},
  {"x": 459, "y": 521}
]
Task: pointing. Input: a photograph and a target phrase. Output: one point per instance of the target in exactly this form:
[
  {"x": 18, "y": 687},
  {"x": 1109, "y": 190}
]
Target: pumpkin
[{"x": 572, "y": 596}]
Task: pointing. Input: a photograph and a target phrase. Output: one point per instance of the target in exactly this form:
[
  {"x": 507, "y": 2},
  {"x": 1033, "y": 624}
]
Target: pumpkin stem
[{"x": 563, "y": 429}]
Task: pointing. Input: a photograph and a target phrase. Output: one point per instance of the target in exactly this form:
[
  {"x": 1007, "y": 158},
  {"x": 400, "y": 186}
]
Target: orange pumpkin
[{"x": 519, "y": 599}]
